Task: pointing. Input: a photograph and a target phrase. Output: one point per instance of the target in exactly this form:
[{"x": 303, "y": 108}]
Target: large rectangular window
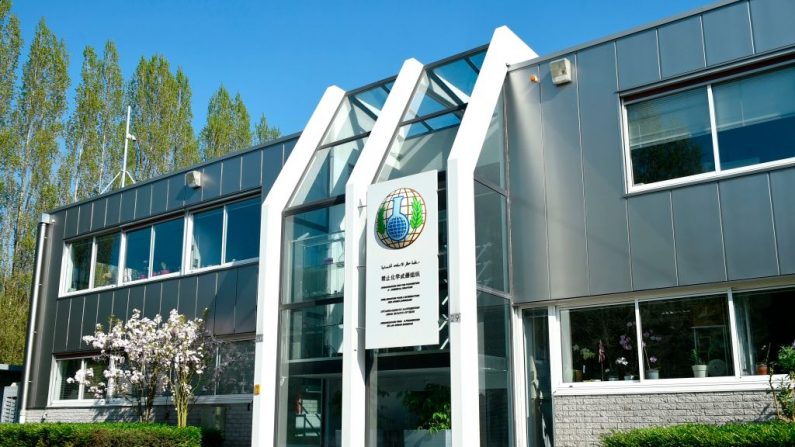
[
  {"x": 78, "y": 272},
  {"x": 153, "y": 251},
  {"x": 764, "y": 325},
  {"x": 66, "y": 388},
  {"x": 225, "y": 234},
  {"x": 106, "y": 265},
  {"x": 713, "y": 128}
]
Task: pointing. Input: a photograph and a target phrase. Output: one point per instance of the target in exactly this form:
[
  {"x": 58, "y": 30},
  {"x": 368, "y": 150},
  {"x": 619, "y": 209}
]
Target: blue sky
[{"x": 282, "y": 55}]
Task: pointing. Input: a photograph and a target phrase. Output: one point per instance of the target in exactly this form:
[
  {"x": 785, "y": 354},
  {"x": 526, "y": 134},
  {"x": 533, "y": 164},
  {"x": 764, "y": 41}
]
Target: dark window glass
[
  {"x": 599, "y": 344},
  {"x": 755, "y": 117},
  {"x": 242, "y": 230},
  {"x": 80, "y": 265},
  {"x": 764, "y": 325},
  {"x": 208, "y": 227},
  {"x": 491, "y": 238},
  {"x": 167, "y": 247},
  {"x": 315, "y": 332},
  {"x": 494, "y": 362},
  {"x": 67, "y": 369},
  {"x": 236, "y": 360},
  {"x": 106, "y": 268},
  {"x": 136, "y": 261},
  {"x": 681, "y": 334},
  {"x": 670, "y": 137}
]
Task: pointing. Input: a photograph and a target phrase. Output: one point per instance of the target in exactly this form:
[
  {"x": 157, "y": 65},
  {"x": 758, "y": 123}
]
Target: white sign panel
[{"x": 402, "y": 307}]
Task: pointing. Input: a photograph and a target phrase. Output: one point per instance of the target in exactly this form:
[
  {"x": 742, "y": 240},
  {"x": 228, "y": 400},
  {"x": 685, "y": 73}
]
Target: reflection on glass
[
  {"x": 764, "y": 325},
  {"x": 67, "y": 369},
  {"x": 357, "y": 114},
  {"x": 328, "y": 172},
  {"x": 242, "y": 230},
  {"x": 79, "y": 265},
  {"x": 491, "y": 162},
  {"x": 755, "y": 117},
  {"x": 491, "y": 238},
  {"x": 418, "y": 147},
  {"x": 315, "y": 332},
  {"x": 670, "y": 137},
  {"x": 136, "y": 259},
  {"x": 599, "y": 344},
  {"x": 168, "y": 247},
  {"x": 678, "y": 333},
  {"x": 539, "y": 383},
  {"x": 106, "y": 268},
  {"x": 313, "y": 414},
  {"x": 208, "y": 228},
  {"x": 494, "y": 364},
  {"x": 236, "y": 360}
]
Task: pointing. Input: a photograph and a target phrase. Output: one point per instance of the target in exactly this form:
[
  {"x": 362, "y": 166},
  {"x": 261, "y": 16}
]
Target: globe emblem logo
[{"x": 400, "y": 218}]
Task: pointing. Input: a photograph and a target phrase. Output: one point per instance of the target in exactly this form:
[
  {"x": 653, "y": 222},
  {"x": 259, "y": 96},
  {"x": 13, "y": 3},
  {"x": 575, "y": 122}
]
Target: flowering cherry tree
[{"x": 149, "y": 357}]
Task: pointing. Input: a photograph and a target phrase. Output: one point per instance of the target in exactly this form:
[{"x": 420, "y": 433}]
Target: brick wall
[
  {"x": 236, "y": 418},
  {"x": 581, "y": 420}
]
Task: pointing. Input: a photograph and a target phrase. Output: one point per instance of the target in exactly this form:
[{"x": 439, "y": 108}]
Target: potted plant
[
  {"x": 585, "y": 354},
  {"x": 762, "y": 367},
  {"x": 698, "y": 365},
  {"x": 652, "y": 366},
  {"x": 432, "y": 407}
]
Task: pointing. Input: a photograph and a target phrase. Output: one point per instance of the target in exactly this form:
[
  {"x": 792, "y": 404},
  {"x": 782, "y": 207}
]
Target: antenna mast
[{"x": 123, "y": 173}]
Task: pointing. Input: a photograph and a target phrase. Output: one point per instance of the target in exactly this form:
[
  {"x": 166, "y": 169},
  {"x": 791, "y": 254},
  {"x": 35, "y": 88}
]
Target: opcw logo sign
[{"x": 400, "y": 218}]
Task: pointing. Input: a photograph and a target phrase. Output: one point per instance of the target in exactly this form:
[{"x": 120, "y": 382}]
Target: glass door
[{"x": 539, "y": 386}]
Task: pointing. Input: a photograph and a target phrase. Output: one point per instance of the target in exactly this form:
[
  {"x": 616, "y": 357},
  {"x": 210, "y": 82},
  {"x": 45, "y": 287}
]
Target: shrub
[
  {"x": 766, "y": 434},
  {"x": 98, "y": 435}
]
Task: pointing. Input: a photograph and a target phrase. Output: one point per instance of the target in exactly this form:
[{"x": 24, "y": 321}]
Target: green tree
[
  {"x": 228, "y": 125},
  {"x": 37, "y": 122},
  {"x": 93, "y": 132},
  {"x": 10, "y": 44},
  {"x": 161, "y": 119},
  {"x": 263, "y": 132}
]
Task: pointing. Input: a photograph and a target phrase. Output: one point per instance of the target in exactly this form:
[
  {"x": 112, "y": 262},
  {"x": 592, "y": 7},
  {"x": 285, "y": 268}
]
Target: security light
[
  {"x": 193, "y": 179},
  {"x": 560, "y": 70}
]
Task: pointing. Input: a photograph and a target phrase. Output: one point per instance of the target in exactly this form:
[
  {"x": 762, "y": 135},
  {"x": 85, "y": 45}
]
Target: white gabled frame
[
  {"x": 354, "y": 397},
  {"x": 266, "y": 363},
  {"x": 505, "y": 49}
]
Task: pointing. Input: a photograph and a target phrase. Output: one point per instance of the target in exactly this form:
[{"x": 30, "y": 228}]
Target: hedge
[
  {"x": 102, "y": 435},
  {"x": 703, "y": 435}
]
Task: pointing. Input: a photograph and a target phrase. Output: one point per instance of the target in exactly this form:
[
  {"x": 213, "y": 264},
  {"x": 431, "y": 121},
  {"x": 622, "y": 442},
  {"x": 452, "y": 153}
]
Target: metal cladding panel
[
  {"x": 205, "y": 299},
  {"x": 152, "y": 299},
  {"x": 773, "y": 23},
  {"x": 288, "y": 147},
  {"x": 251, "y": 170},
  {"x": 225, "y": 298},
  {"x": 105, "y": 309},
  {"x": 637, "y": 59},
  {"x": 61, "y": 325},
  {"x": 143, "y": 202},
  {"x": 697, "y": 228},
  {"x": 528, "y": 204},
  {"x": 75, "y": 323},
  {"x": 98, "y": 215},
  {"x": 159, "y": 197},
  {"x": 127, "y": 212},
  {"x": 211, "y": 181},
  {"x": 271, "y": 166},
  {"x": 782, "y": 184},
  {"x": 169, "y": 298},
  {"x": 113, "y": 210},
  {"x": 246, "y": 306},
  {"x": 70, "y": 226},
  {"x": 652, "y": 241},
  {"x": 187, "y": 296},
  {"x": 748, "y": 227},
  {"x": 568, "y": 258},
  {"x": 136, "y": 300},
  {"x": 230, "y": 182},
  {"x": 727, "y": 33},
  {"x": 89, "y": 318},
  {"x": 176, "y": 192},
  {"x": 681, "y": 47},
  {"x": 84, "y": 218},
  {"x": 121, "y": 304},
  {"x": 605, "y": 206}
]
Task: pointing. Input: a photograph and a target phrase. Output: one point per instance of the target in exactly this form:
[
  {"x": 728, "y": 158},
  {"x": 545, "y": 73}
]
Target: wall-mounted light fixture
[
  {"x": 560, "y": 70},
  {"x": 193, "y": 179}
]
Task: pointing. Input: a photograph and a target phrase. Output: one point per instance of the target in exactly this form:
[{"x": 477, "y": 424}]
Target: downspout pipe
[{"x": 34, "y": 305}]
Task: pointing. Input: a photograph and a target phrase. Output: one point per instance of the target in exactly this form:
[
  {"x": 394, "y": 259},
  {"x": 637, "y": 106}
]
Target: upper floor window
[
  {"x": 153, "y": 250},
  {"x": 225, "y": 234},
  {"x": 713, "y": 128},
  {"x": 92, "y": 262}
]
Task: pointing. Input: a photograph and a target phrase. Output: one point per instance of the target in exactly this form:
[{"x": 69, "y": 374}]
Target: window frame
[
  {"x": 150, "y": 277},
  {"x": 81, "y": 401},
  {"x": 66, "y": 262},
  {"x": 718, "y": 173}
]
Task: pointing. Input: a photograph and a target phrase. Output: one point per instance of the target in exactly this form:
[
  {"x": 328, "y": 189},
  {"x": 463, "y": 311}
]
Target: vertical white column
[
  {"x": 266, "y": 363},
  {"x": 505, "y": 48},
  {"x": 354, "y": 396}
]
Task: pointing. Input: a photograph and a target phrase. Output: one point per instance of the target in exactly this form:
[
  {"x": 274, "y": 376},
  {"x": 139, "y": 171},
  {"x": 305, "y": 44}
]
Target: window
[
  {"x": 106, "y": 266},
  {"x": 153, "y": 251},
  {"x": 92, "y": 262},
  {"x": 78, "y": 271},
  {"x": 713, "y": 128},
  {"x": 230, "y": 370},
  {"x": 229, "y": 234},
  {"x": 764, "y": 325},
  {"x": 67, "y": 369}
]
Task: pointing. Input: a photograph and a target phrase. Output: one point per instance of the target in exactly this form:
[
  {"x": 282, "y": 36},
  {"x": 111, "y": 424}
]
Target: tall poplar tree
[
  {"x": 228, "y": 125},
  {"x": 263, "y": 132},
  {"x": 161, "y": 119},
  {"x": 28, "y": 178},
  {"x": 93, "y": 133}
]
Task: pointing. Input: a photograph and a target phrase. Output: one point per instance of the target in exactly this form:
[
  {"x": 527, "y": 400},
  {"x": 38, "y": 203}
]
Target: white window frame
[
  {"x": 718, "y": 173},
  {"x": 188, "y": 252},
  {"x": 66, "y": 262},
  {"x": 150, "y": 277},
  {"x": 56, "y": 379}
]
